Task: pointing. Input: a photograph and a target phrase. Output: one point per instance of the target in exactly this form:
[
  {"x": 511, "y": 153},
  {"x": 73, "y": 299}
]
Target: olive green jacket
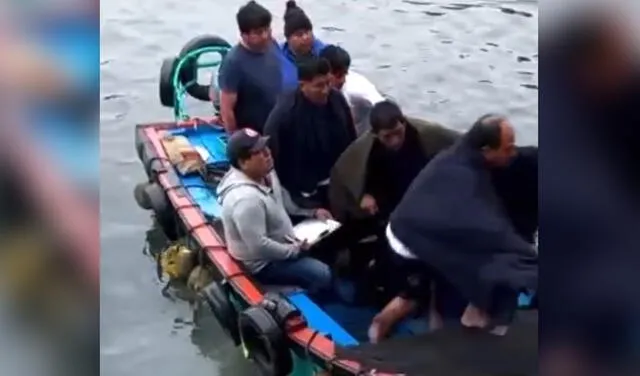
[{"x": 348, "y": 174}]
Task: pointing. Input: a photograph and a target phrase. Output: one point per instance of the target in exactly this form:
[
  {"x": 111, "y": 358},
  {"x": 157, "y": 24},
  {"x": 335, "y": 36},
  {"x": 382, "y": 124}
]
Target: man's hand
[
  {"x": 368, "y": 204},
  {"x": 230, "y": 129},
  {"x": 304, "y": 245},
  {"x": 227, "y": 106},
  {"x": 322, "y": 214}
]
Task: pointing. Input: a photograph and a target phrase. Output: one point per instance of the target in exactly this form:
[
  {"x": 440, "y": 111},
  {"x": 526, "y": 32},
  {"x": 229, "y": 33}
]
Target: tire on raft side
[
  {"x": 216, "y": 299},
  {"x": 167, "y": 221},
  {"x": 166, "y": 89},
  {"x": 151, "y": 196},
  {"x": 189, "y": 71},
  {"x": 265, "y": 342}
]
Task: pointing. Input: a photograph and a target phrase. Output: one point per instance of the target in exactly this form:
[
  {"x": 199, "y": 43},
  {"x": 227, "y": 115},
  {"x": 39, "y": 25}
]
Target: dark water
[{"x": 449, "y": 62}]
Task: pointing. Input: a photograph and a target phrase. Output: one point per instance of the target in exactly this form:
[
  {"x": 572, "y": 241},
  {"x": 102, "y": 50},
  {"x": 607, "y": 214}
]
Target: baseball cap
[{"x": 243, "y": 143}]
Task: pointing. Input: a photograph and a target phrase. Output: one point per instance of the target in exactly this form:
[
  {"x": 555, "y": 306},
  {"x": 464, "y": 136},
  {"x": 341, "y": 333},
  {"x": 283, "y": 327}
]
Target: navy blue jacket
[{"x": 453, "y": 220}]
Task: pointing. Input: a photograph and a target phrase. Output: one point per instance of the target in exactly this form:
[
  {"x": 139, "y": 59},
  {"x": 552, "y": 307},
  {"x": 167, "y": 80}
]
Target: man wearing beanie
[{"x": 300, "y": 43}]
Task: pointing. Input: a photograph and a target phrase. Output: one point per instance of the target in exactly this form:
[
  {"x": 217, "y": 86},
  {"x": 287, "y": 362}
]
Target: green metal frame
[{"x": 180, "y": 90}]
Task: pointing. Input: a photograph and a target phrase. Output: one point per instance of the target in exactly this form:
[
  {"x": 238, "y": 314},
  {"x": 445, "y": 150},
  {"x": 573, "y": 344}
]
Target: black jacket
[{"x": 306, "y": 139}]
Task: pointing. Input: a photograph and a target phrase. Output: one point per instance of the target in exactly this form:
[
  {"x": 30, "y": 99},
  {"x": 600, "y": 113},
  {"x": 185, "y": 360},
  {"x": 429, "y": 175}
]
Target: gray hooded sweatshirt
[{"x": 256, "y": 220}]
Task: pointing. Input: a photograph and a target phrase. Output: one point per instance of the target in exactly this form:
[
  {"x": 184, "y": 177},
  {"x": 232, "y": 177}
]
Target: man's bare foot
[
  {"x": 435, "y": 318},
  {"x": 396, "y": 310},
  {"x": 377, "y": 328},
  {"x": 435, "y": 321},
  {"x": 499, "y": 330},
  {"x": 473, "y": 317}
]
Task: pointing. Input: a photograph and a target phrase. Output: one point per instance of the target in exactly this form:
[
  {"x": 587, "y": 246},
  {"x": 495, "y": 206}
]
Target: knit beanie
[{"x": 295, "y": 19}]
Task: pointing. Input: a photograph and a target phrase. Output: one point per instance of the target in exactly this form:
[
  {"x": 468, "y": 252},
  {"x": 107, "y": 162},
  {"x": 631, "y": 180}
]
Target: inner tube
[
  {"x": 142, "y": 196},
  {"x": 264, "y": 342},
  {"x": 166, "y": 89},
  {"x": 151, "y": 196},
  {"x": 189, "y": 69},
  {"x": 216, "y": 298}
]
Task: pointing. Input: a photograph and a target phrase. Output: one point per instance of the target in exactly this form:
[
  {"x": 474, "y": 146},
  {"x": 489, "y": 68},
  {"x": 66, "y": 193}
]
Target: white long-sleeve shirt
[
  {"x": 361, "y": 95},
  {"x": 358, "y": 86}
]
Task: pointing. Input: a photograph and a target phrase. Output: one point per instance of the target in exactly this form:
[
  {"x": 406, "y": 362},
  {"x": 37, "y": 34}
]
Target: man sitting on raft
[
  {"x": 300, "y": 43},
  {"x": 451, "y": 229},
  {"x": 255, "y": 216},
  {"x": 359, "y": 92},
  {"x": 339, "y": 61},
  {"x": 309, "y": 128},
  {"x": 372, "y": 175}
]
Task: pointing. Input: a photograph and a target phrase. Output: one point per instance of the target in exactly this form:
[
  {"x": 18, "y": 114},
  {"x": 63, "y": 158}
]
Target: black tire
[
  {"x": 166, "y": 89},
  {"x": 216, "y": 299},
  {"x": 265, "y": 342},
  {"x": 189, "y": 70},
  {"x": 141, "y": 195},
  {"x": 151, "y": 196},
  {"x": 167, "y": 222}
]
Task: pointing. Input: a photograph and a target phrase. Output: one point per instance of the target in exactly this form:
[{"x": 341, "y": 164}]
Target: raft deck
[
  {"x": 455, "y": 352},
  {"x": 346, "y": 324}
]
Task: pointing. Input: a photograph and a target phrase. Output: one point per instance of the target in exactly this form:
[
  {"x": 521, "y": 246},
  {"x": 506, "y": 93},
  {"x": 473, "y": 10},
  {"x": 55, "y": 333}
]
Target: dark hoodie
[
  {"x": 306, "y": 139},
  {"x": 452, "y": 219}
]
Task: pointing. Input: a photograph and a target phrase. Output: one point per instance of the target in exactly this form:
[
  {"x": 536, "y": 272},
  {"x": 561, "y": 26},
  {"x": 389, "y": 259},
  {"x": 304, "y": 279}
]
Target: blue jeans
[{"x": 305, "y": 272}]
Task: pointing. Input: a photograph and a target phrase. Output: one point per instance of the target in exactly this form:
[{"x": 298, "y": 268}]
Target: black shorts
[{"x": 415, "y": 280}]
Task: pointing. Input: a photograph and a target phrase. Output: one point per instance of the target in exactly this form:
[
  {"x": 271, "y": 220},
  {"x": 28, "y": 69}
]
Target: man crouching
[{"x": 454, "y": 226}]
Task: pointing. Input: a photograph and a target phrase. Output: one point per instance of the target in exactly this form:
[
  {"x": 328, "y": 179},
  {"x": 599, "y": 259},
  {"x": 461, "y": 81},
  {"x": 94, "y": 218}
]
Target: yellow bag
[{"x": 177, "y": 262}]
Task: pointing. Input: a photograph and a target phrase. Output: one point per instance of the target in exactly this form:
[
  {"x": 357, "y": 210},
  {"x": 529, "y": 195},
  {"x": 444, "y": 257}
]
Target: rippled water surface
[{"x": 449, "y": 62}]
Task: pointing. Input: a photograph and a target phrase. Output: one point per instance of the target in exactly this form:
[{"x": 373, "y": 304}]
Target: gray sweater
[{"x": 256, "y": 220}]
